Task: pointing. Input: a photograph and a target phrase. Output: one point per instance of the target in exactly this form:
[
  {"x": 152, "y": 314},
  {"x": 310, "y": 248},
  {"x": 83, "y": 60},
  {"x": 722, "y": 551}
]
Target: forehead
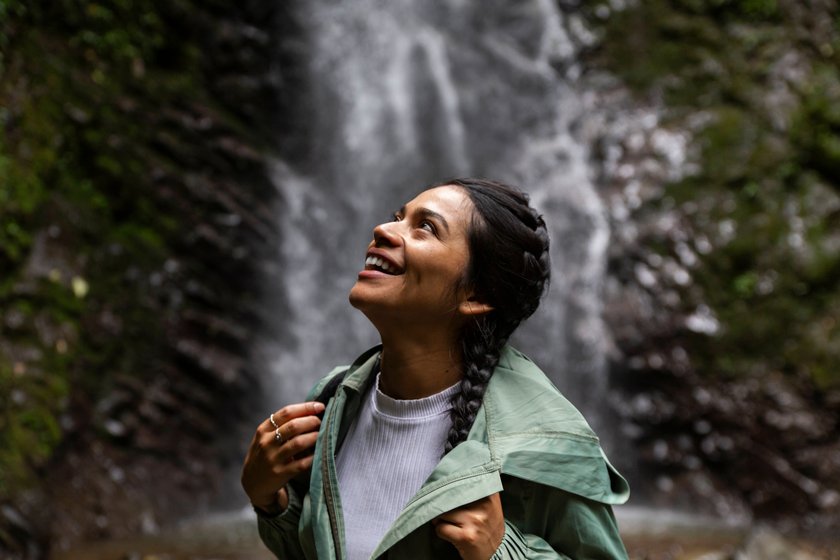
[{"x": 451, "y": 202}]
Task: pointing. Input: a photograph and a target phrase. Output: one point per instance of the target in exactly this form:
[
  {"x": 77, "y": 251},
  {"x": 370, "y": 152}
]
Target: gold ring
[{"x": 271, "y": 419}]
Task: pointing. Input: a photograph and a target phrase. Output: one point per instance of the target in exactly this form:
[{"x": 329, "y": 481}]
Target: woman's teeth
[{"x": 381, "y": 264}]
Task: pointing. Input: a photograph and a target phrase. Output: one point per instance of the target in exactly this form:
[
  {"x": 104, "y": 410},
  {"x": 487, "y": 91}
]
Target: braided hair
[{"x": 509, "y": 269}]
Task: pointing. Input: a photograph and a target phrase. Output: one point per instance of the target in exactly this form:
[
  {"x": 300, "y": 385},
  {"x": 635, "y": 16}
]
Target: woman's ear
[{"x": 471, "y": 306}]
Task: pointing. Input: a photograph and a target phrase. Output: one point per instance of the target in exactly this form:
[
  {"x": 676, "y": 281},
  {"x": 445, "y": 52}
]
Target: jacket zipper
[{"x": 328, "y": 491}]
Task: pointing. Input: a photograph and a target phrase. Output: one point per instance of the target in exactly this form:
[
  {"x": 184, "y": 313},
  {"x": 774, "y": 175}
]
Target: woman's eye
[
  {"x": 395, "y": 218},
  {"x": 427, "y": 225}
]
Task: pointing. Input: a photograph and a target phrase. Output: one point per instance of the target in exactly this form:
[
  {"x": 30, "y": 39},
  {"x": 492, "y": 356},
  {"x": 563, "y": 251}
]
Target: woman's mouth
[{"x": 373, "y": 262}]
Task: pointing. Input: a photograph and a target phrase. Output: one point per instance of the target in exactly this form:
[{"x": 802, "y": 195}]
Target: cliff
[{"x": 136, "y": 224}]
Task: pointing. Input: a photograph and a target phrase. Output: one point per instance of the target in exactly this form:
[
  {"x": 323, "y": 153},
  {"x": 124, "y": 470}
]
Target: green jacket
[{"x": 528, "y": 442}]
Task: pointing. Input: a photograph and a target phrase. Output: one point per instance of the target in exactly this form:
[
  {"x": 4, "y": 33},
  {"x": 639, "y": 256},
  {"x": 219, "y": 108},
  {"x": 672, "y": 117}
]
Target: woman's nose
[{"x": 386, "y": 234}]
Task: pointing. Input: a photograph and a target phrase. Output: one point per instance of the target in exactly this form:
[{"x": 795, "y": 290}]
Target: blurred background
[{"x": 187, "y": 188}]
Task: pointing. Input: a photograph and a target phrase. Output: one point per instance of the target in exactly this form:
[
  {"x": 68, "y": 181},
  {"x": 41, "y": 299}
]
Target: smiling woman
[
  {"x": 444, "y": 441},
  {"x": 421, "y": 303}
]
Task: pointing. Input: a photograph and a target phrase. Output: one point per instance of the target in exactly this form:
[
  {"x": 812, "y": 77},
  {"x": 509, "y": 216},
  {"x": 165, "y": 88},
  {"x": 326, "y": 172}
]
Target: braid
[
  {"x": 509, "y": 269},
  {"x": 480, "y": 355},
  {"x": 536, "y": 266}
]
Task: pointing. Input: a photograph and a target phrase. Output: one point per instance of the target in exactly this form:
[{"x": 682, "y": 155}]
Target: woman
[{"x": 443, "y": 442}]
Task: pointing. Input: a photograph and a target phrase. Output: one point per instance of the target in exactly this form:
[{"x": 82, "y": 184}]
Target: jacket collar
[
  {"x": 529, "y": 429},
  {"x": 524, "y": 428},
  {"x": 361, "y": 370}
]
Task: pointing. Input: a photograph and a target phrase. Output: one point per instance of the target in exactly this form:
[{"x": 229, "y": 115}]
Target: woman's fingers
[
  {"x": 289, "y": 450},
  {"x": 303, "y": 464},
  {"x": 448, "y": 530},
  {"x": 272, "y": 461},
  {"x": 296, "y": 427},
  {"x": 296, "y": 437},
  {"x": 476, "y": 529},
  {"x": 292, "y": 411}
]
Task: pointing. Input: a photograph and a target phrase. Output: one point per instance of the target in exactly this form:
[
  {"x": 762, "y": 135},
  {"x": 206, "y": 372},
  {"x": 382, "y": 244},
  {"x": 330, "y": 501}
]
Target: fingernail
[{"x": 319, "y": 407}]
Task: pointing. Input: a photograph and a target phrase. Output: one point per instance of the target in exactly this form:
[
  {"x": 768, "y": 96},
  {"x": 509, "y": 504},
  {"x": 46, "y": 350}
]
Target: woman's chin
[
  {"x": 361, "y": 297},
  {"x": 372, "y": 305}
]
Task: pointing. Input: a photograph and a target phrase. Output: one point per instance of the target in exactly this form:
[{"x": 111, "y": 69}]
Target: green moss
[
  {"x": 29, "y": 408},
  {"x": 816, "y": 126},
  {"x": 696, "y": 53},
  {"x": 82, "y": 91},
  {"x": 21, "y": 194},
  {"x": 772, "y": 285}
]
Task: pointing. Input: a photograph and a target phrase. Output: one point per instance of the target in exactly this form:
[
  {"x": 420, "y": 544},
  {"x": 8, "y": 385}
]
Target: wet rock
[
  {"x": 739, "y": 433},
  {"x": 182, "y": 307},
  {"x": 19, "y": 539}
]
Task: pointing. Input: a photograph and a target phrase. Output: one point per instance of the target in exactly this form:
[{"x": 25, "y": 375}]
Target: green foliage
[
  {"x": 697, "y": 53},
  {"x": 28, "y": 424},
  {"x": 773, "y": 282},
  {"x": 34, "y": 395},
  {"x": 20, "y": 196},
  {"x": 770, "y": 174},
  {"x": 816, "y": 128},
  {"x": 102, "y": 30},
  {"x": 80, "y": 83},
  {"x": 750, "y": 10}
]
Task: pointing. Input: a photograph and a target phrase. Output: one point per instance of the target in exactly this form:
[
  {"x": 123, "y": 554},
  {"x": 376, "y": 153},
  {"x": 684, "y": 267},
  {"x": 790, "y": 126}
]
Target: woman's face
[{"x": 415, "y": 263}]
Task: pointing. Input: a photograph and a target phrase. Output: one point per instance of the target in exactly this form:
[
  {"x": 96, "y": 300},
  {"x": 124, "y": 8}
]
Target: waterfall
[{"x": 403, "y": 93}]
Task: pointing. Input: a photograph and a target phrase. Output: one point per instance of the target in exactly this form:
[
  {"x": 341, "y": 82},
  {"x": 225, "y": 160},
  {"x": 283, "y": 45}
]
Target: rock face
[
  {"x": 138, "y": 219},
  {"x": 719, "y": 299}
]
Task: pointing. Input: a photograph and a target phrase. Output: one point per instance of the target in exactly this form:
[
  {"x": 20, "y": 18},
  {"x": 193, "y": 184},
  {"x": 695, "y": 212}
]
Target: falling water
[{"x": 405, "y": 93}]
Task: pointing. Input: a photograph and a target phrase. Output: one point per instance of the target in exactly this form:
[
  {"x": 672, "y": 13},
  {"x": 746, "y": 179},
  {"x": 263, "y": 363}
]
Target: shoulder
[
  {"x": 536, "y": 434},
  {"x": 523, "y": 399}
]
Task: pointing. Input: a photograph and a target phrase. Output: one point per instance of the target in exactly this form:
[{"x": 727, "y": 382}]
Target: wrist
[{"x": 274, "y": 506}]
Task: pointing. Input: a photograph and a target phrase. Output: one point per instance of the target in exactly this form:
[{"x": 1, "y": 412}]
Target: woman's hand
[
  {"x": 272, "y": 462},
  {"x": 476, "y": 529}
]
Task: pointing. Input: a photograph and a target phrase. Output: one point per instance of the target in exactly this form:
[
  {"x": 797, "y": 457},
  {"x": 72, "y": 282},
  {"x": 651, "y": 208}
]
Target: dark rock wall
[
  {"x": 723, "y": 294},
  {"x": 137, "y": 220}
]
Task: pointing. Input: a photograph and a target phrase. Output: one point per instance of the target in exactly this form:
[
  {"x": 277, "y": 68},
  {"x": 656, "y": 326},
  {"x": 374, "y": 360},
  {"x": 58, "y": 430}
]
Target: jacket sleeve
[
  {"x": 280, "y": 532},
  {"x": 549, "y": 523}
]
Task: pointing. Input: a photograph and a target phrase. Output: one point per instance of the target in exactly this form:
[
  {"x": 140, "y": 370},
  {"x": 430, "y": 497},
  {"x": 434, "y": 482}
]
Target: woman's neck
[{"x": 413, "y": 369}]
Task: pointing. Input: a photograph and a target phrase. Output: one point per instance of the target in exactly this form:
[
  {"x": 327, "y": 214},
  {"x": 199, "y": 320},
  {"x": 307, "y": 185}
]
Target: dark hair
[{"x": 509, "y": 269}]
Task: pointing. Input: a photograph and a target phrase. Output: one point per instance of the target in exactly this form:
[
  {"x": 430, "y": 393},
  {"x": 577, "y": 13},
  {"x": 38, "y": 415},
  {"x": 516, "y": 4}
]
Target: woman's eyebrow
[{"x": 427, "y": 213}]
